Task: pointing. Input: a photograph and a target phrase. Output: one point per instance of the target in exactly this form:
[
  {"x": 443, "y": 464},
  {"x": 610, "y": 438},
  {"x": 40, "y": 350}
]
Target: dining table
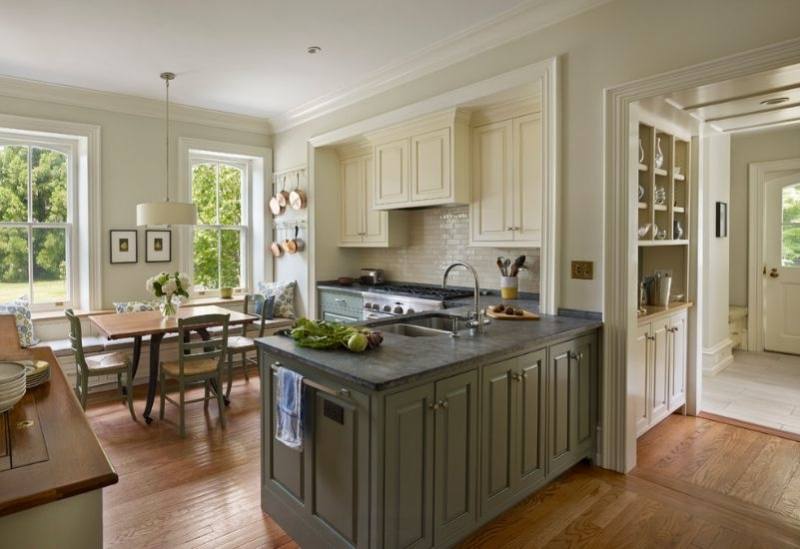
[{"x": 154, "y": 326}]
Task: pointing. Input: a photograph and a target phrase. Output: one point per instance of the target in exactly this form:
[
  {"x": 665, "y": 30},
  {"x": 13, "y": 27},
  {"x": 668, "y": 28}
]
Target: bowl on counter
[{"x": 344, "y": 281}]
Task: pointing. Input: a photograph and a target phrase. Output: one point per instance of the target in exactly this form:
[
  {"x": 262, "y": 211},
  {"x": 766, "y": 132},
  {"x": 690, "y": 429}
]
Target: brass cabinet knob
[
  {"x": 433, "y": 406},
  {"x": 773, "y": 273},
  {"x": 443, "y": 404}
]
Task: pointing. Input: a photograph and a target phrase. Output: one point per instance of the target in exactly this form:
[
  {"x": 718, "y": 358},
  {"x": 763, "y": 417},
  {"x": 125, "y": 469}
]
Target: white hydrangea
[
  {"x": 169, "y": 287},
  {"x": 184, "y": 280},
  {"x": 149, "y": 285}
]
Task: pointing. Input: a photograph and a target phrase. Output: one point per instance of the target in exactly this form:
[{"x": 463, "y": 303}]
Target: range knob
[
  {"x": 368, "y": 305},
  {"x": 387, "y": 308},
  {"x": 411, "y": 311},
  {"x": 398, "y": 310},
  {"x": 375, "y": 307}
]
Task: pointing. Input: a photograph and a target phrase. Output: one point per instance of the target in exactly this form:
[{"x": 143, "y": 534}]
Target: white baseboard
[{"x": 717, "y": 357}]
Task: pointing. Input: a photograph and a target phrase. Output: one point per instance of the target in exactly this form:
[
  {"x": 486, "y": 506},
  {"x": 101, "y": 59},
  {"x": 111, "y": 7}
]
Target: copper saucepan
[{"x": 297, "y": 198}]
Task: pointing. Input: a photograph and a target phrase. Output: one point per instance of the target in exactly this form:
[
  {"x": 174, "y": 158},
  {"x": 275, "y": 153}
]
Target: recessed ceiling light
[
  {"x": 313, "y": 49},
  {"x": 775, "y": 101}
]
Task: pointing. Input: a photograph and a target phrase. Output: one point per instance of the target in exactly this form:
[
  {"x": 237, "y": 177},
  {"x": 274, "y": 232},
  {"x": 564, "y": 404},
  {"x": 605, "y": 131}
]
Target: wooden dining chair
[
  {"x": 98, "y": 365},
  {"x": 241, "y": 345},
  {"x": 193, "y": 367}
]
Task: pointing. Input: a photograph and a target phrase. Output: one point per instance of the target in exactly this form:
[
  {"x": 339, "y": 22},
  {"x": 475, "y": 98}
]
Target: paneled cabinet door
[
  {"x": 497, "y": 411},
  {"x": 408, "y": 493},
  {"x": 353, "y": 201},
  {"x": 455, "y": 457},
  {"x": 430, "y": 166},
  {"x": 677, "y": 360},
  {"x": 660, "y": 382},
  {"x": 527, "y": 141},
  {"x": 392, "y": 172},
  {"x": 571, "y": 403},
  {"x": 492, "y": 215},
  {"x": 375, "y": 221},
  {"x": 529, "y": 455},
  {"x": 640, "y": 376}
]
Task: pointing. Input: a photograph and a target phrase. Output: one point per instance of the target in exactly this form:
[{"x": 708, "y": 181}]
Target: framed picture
[
  {"x": 124, "y": 246},
  {"x": 722, "y": 219},
  {"x": 158, "y": 246}
]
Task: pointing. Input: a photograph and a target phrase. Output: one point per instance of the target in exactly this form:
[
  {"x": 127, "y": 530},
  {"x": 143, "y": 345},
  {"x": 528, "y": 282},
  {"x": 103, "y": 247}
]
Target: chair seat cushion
[
  {"x": 240, "y": 343},
  {"x": 107, "y": 362},
  {"x": 190, "y": 367}
]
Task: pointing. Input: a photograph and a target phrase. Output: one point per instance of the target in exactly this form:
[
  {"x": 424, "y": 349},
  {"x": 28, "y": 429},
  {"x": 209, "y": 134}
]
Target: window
[
  {"x": 219, "y": 242},
  {"x": 36, "y": 215},
  {"x": 790, "y": 226}
]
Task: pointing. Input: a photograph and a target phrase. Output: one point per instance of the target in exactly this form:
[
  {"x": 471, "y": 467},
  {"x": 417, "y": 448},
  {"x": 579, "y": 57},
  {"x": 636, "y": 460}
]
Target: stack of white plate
[
  {"x": 36, "y": 371},
  {"x": 12, "y": 384}
]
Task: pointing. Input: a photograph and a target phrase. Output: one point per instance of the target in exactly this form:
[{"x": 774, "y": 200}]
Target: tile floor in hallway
[{"x": 760, "y": 388}]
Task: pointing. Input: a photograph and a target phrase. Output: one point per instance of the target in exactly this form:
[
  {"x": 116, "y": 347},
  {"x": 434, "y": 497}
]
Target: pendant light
[{"x": 166, "y": 213}]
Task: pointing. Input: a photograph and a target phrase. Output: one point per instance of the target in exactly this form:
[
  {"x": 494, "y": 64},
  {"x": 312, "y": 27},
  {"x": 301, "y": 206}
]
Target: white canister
[
  {"x": 663, "y": 289},
  {"x": 509, "y": 287}
]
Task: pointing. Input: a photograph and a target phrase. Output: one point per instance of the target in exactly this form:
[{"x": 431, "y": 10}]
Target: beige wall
[
  {"x": 618, "y": 42},
  {"x": 717, "y": 182},
  {"x": 132, "y": 171},
  {"x": 764, "y": 146},
  {"x": 436, "y": 238}
]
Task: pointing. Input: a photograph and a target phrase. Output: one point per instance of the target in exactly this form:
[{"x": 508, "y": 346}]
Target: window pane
[
  {"x": 49, "y": 174},
  {"x": 13, "y": 183},
  {"x": 13, "y": 264},
  {"x": 231, "y": 260},
  {"x": 791, "y": 204},
  {"x": 49, "y": 265},
  {"x": 204, "y": 193},
  {"x": 790, "y": 248},
  {"x": 230, "y": 195},
  {"x": 206, "y": 260}
]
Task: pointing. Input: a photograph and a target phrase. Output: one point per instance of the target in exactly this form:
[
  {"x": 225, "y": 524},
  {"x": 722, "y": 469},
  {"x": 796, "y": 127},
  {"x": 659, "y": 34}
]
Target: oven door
[{"x": 369, "y": 315}]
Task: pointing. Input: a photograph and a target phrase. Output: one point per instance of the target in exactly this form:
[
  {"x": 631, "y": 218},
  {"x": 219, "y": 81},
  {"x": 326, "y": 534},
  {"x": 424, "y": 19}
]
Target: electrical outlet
[{"x": 583, "y": 270}]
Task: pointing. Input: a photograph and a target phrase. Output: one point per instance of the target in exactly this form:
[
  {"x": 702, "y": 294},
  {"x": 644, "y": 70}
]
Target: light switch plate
[{"x": 583, "y": 270}]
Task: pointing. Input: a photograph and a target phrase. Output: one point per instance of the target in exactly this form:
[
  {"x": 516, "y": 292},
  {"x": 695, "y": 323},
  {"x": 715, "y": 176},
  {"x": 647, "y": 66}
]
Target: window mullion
[
  {"x": 30, "y": 223},
  {"x": 30, "y": 262}
]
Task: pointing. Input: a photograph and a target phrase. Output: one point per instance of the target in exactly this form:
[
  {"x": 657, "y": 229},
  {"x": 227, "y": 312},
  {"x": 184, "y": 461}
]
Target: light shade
[{"x": 166, "y": 213}]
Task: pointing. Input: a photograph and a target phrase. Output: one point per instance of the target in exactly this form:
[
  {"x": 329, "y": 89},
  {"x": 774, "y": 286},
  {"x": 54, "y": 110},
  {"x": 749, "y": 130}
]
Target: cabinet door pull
[
  {"x": 524, "y": 375},
  {"x": 433, "y": 406},
  {"x": 650, "y": 338},
  {"x": 443, "y": 404}
]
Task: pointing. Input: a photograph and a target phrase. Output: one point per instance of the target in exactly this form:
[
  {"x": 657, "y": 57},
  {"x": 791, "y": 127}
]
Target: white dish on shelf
[{"x": 10, "y": 371}]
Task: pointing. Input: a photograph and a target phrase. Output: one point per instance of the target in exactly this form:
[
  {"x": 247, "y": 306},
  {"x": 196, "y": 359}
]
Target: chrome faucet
[{"x": 476, "y": 320}]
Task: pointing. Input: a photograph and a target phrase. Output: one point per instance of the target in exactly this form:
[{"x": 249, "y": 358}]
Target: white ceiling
[
  {"x": 240, "y": 56},
  {"x": 744, "y": 104}
]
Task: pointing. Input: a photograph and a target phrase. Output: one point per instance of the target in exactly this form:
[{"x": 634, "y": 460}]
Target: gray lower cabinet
[
  {"x": 432, "y": 461},
  {"x": 341, "y": 306},
  {"x": 572, "y": 402},
  {"x": 512, "y": 420},
  {"x": 327, "y": 483}
]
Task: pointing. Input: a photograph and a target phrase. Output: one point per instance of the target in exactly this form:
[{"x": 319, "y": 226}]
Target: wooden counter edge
[{"x": 29, "y": 486}]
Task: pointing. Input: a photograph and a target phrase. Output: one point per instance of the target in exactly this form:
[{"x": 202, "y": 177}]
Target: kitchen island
[{"x": 421, "y": 441}]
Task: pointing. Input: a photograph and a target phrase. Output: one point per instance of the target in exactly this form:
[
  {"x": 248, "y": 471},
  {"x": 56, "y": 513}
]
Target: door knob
[{"x": 773, "y": 273}]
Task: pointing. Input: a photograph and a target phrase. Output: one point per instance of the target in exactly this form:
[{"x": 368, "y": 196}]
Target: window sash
[
  {"x": 68, "y": 148},
  {"x": 196, "y": 159}
]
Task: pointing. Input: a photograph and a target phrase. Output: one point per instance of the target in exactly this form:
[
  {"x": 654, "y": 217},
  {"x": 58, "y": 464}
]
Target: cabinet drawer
[{"x": 340, "y": 303}]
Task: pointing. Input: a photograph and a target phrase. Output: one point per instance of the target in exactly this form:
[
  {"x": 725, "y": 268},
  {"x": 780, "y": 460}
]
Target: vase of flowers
[{"x": 169, "y": 288}]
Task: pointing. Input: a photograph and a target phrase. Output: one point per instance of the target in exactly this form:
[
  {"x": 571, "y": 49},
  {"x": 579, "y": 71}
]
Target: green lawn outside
[{"x": 45, "y": 291}]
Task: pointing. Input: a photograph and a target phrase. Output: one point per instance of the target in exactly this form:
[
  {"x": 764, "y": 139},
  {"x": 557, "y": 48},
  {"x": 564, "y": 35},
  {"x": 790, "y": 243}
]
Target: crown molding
[
  {"x": 526, "y": 18},
  {"x": 129, "y": 104}
]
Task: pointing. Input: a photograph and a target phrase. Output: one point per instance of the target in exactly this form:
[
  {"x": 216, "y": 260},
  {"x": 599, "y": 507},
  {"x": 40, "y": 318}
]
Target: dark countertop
[{"x": 402, "y": 359}]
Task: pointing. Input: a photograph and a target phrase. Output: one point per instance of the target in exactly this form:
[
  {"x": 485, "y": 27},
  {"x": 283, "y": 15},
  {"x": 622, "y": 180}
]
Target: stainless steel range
[{"x": 389, "y": 300}]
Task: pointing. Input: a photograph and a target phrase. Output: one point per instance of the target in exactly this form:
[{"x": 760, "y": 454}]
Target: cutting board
[{"x": 502, "y": 316}]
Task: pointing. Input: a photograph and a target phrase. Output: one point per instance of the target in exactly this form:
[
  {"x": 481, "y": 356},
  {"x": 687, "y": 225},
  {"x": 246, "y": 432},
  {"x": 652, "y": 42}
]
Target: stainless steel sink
[
  {"x": 447, "y": 323},
  {"x": 411, "y": 330}
]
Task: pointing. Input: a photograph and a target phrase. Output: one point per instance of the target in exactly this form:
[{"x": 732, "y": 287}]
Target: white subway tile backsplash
[{"x": 437, "y": 238}]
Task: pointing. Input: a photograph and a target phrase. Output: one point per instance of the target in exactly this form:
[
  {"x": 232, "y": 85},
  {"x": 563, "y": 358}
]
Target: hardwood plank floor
[{"x": 699, "y": 483}]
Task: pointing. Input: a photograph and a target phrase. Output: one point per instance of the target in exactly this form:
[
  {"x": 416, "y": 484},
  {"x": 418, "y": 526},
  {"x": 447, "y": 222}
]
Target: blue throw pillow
[
  {"x": 21, "y": 309},
  {"x": 261, "y": 302}
]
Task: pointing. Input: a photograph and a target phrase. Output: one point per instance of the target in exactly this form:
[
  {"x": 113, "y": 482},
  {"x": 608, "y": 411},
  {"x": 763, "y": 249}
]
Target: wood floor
[
  {"x": 760, "y": 388},
  {"x": 699, "y": 483}
]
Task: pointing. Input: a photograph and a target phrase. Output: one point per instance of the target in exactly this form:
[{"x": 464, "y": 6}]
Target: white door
[
  {"x": 352, "y": 210},
  {"x": 782, "y": 265},
  {"x": 430, "y": 166},
  {"x": 639, "y": 374},
  {"x": 677, "y": 360},
  {"x": 375, "y": 224},
  {"x": 391, "y": 173},
  {"x": 528, "y": 179},
  {"x": 492, "y": 215},
  {"x": 660, "y": 383}
]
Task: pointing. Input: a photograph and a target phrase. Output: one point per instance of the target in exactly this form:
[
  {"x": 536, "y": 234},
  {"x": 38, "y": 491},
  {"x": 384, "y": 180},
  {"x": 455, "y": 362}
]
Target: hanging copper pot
[{"x": 297, "y": 198}]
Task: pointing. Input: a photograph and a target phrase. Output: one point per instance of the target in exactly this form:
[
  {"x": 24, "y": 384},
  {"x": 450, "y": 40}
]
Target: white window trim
[
  {"x": 258, "y": 172},
  {"x": 84, "y": 272}
]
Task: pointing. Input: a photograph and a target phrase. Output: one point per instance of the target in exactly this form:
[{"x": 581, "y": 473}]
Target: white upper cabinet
[
  {"x": 507, "y": 176},
  {"x": 391, "y": 173},
  {"x": 360, "y": 224},
  {"x": 422, "y": 163}
]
